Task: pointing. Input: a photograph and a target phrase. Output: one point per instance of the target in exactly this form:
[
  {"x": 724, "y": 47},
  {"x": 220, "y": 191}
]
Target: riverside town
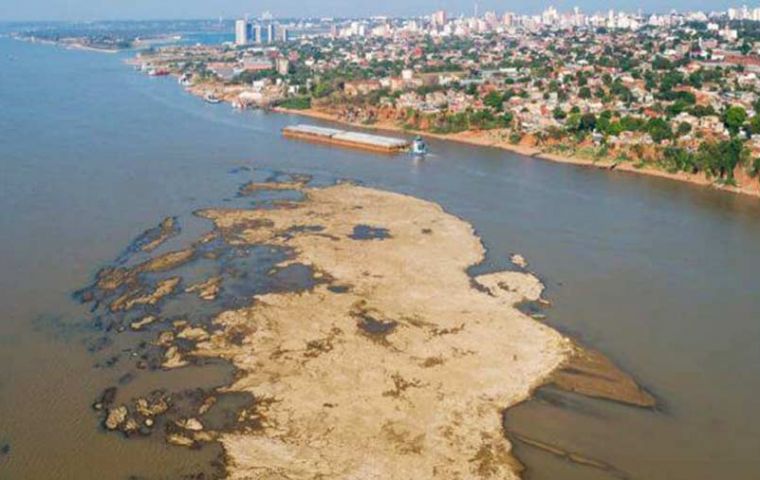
[{"x": 674, "y": 93}]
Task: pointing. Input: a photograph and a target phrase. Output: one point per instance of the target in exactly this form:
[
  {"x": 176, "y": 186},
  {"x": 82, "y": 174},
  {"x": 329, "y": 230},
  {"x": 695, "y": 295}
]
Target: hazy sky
[{"x": 154, "y": 9}]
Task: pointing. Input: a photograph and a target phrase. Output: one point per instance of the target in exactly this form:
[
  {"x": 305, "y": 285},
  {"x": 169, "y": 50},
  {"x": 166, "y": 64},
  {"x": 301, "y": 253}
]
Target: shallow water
[{"x": 658, "y": 275}]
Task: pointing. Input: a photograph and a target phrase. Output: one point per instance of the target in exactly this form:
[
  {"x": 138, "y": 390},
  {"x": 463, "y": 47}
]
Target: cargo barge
[{"x": 332, "y": 136}]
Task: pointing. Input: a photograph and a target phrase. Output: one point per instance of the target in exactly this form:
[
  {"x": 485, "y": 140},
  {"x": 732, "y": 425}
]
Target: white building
[
  {"x": 270, "y": 33},
  {"x": 242, "y": 32}
]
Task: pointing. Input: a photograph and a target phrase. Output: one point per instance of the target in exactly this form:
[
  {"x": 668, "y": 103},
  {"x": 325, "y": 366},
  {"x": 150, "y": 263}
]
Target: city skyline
[{"x": 82, "y": 10}]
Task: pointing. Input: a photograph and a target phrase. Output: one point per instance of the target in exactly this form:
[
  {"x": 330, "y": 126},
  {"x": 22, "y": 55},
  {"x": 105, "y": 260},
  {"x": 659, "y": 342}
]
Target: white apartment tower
[
  {"x": 439, "y": 18},
  {"x": 242, "y": 32}
]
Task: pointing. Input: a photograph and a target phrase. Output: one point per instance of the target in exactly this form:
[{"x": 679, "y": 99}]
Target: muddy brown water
[{"x": 660, "y": 276}]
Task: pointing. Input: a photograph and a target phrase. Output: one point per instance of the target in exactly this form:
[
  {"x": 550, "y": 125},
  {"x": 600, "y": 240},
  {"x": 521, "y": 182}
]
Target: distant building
[
  {"x": 282, "y": 65},
  {"x": 270, "y": 33},
  {"x": 257, "y": 31},
  {"x": 282, "y": 32},
  {"x": 242, "y": 32},
  {"x": 224, "y": 71},
  {"x": 256, "y": 64},
  {"x": 361, "y": 87},
  {"x": 439, "y": 18}
]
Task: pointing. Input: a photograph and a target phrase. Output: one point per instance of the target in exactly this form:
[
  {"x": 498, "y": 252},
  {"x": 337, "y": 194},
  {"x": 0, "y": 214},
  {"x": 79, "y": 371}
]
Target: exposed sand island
[
  {"x": 391, "y": 363},
  {"x": 405, "y": 371}
]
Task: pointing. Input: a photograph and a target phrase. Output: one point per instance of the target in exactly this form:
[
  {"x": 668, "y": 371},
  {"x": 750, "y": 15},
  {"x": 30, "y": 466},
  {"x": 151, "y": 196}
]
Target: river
[{"x": 658, "y": 275}]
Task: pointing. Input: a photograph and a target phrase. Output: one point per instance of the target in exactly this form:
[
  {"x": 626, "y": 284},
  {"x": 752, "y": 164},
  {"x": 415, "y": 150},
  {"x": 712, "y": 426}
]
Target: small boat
[
  {"x": 185, "y": 80},
  {"x": 419, "y": 147},
  {"x": 211, "y": 98}
]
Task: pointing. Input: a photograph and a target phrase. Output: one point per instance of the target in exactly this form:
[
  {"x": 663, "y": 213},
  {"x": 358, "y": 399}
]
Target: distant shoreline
[
  {"x": 67, "y": 46},
  {"x": 477, "y": 139}
]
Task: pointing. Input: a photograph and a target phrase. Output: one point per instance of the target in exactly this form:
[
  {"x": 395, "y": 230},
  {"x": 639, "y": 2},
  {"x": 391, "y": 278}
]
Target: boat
[
  {"x": 419, "y": 147},
  {"x": 344, "y": 138},
  {"x": 211, "y": 98},
  {"x": 185, "y": 80},
  {"x": 158, "y": 72}
]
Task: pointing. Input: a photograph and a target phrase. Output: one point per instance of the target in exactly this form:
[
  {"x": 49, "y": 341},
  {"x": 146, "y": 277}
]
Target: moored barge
[{"x": 332, "y": 136}]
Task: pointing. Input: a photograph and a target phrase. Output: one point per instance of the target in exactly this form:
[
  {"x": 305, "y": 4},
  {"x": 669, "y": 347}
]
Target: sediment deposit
[
  {"x": 401, "y": 373},
  {"x": 388, "y": 361}
]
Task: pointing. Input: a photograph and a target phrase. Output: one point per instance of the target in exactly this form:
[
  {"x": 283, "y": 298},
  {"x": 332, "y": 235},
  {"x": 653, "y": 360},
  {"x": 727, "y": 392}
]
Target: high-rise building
[
  {"x": 242, "y": 32},
  {"x": 439, "y": 18},
  {"x": 257, "y": 34},
  {"x": 270, "y": 33},
  {"x": 282, "y": 32}
]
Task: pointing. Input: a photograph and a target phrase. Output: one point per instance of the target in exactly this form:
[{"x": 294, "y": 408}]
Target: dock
[{"x": 343, "y": 138}]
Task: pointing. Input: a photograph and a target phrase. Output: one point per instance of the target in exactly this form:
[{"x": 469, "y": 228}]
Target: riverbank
[{"x": 483, "y": 139}]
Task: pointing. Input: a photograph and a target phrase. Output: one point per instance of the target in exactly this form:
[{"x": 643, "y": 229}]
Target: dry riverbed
[{"x": 391, "y": 363}]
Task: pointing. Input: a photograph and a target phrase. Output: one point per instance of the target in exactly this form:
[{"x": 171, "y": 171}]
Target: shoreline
[
  {"x": 66, "y": 46},
  {"x": 472, "y": 138}
]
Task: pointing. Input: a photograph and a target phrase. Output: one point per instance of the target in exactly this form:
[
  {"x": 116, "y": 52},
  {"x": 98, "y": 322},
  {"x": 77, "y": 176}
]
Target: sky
[{"x": 176, "y": 9}]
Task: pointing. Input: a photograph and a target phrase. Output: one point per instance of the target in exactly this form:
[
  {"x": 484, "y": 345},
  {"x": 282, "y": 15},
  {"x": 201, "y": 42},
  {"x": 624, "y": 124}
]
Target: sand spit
[
  {"x": 569, "y": 456},
  {"x": 402, "y": 375},
  {"x": 294, "y": 182},
  {"x": 590, "y": 373},
  {"x": 151, "y": 239}
]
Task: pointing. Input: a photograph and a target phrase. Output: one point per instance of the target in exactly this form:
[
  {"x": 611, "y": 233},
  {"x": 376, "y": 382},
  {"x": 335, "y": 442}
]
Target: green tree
[
  {"x": 659, "y": 129},
  {"x": 494, "y": 100},
  {"x": 322, "y": 89},
  {"x": 754, "y": 125},
  {"x": 719, "y": 159},
  {"x": 684, "y": 128},
  {"x": 734, "y": 118},
  {"x": 587, "y": 122},
  {"x": 632, "y": 124},
  {"x": 676, "y": 158},
  {"x": 702, "y": 110}
]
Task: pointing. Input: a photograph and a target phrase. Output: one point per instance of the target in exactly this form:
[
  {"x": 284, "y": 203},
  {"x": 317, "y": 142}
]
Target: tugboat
[{"x": 419, "y": 147}]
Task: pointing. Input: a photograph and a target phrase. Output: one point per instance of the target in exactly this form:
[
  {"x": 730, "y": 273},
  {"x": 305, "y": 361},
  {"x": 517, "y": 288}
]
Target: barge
[{"x": 332, "y": 136}]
